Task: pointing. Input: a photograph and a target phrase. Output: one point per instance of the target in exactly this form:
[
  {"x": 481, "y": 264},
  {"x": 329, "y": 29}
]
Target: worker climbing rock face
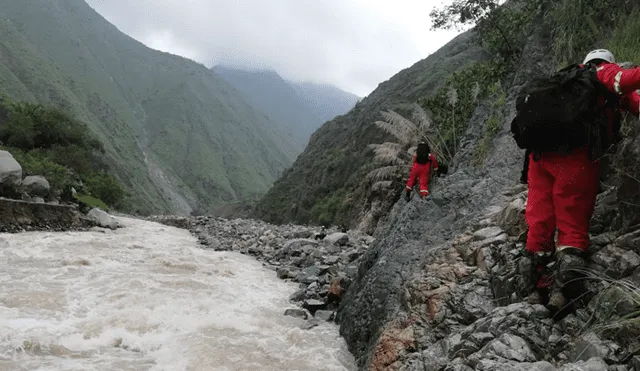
[
  {"x": 423, "y": 162},
  {"x": 563, "y": 177}
]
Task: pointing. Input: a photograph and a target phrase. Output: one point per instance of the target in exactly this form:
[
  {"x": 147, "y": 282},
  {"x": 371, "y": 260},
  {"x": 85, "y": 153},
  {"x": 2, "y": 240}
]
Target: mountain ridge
[{"x": 298, "y": 108}]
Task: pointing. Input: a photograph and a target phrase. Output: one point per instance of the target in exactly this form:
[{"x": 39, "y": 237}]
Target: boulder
[
  {"x": 36, "y": 185},
  {"x": 511, "y": 218},
  {"x": 10, "y": 170},
  {"x": 337, "y": 238},
  {"x": 486, "y": 233},
  {"x": 102, "y": 218},
  {"x": 296, "y": 312}
]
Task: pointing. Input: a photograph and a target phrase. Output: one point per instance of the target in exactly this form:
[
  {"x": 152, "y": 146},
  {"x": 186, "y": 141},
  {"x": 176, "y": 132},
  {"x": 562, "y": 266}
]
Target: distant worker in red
[
  {"x": 563, "y": 180},
  {"x": 423, "y": 162}
]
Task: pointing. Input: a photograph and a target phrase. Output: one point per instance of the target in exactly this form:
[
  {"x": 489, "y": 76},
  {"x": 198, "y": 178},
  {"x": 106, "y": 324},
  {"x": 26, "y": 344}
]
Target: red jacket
[{"x": 623, "y": 82}]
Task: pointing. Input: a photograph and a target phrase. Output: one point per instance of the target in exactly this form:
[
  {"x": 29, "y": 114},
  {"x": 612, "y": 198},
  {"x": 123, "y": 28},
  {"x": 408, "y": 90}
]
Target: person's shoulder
[{"x": 609, "y": 67}]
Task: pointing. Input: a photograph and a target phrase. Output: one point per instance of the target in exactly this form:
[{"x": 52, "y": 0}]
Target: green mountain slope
[
  {"x": 179, "y": 136},
  {"x": 297, "y": 109}
]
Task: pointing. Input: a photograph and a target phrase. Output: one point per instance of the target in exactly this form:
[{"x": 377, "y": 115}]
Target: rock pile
[{"x": 324, "y": 267}]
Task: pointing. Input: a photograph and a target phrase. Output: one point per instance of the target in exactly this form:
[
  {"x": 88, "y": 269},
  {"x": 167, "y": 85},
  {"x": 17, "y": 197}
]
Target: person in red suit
[
  {"x": 423, "y": 162},
  {"x": 563, "y": 187}
]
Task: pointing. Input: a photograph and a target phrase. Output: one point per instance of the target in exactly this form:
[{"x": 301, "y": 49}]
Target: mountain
[
  {"x": 297, "y": 108},
  {"x": 178, "y": 136},
  {"x": 328, "y": 100}
]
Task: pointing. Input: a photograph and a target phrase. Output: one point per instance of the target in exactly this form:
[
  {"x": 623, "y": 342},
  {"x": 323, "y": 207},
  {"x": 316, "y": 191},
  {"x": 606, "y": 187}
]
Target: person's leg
[
  {"x": 539, "y": 212},
  {"x": 411, "y": 181},
  {"x": 574, "y": 197},
  {"x": 424, "y": 181},
  {"x": 540, "y": 218}
]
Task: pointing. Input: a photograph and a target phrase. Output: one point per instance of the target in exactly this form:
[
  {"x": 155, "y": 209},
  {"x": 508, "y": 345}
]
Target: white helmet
[{"x": 603, "y": 54}]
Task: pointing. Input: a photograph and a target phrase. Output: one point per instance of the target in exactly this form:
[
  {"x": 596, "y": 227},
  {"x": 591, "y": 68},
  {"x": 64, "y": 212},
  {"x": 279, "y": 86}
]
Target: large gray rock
[
  {"x": 486, "y": 233},
  {"x": 102, "y": 218},
  {"x": 617, "y": 262},
  {"x": 10, "y": 170},
  {"x": 337, "y": 238},
  {"x": 36, "y": 185},
  {"x": 511, "y": 218}
]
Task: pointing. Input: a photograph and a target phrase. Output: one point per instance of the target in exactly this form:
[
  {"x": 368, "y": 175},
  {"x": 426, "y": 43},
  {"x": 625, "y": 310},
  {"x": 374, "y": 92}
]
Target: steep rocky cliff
[{"x": 442, "y": 287}]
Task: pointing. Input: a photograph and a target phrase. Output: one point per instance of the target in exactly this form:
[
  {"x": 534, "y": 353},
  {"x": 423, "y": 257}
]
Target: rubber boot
[
  {"x": 543, "y": 277},
  {"x": 567, "y": 285}
]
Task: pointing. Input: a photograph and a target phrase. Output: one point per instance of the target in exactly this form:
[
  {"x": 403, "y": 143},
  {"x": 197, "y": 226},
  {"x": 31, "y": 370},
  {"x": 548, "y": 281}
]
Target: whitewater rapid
[{"x": 146, "y": 297}]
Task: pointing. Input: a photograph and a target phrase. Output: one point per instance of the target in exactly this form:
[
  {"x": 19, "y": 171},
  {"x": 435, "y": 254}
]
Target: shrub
[{"x": 46, "y": 141}]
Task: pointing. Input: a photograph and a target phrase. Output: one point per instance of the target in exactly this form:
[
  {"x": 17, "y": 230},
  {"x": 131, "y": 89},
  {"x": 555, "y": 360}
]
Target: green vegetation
[
  {"x": 580, "y": 25},
  {"x": 469, "y": 86},
  {"x": 46, "y": 141},
  {"x": 324, "y": 211},
  {"x": 625, "y": 40},
  {"x": 502, "y": 30}
]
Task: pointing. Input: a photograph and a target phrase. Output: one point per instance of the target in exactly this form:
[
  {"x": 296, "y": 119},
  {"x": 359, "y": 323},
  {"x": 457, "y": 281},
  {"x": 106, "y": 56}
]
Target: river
[{"x": 146, "y": 297}]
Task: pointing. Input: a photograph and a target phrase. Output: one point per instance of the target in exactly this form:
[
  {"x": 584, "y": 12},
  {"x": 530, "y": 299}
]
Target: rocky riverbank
[
  {"x": 23, "y": 216},
  {"x": 323, "y": 262}
]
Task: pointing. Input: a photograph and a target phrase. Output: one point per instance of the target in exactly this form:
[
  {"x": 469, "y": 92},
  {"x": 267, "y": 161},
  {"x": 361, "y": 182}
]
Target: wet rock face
[{"x": 324, "y": 267}]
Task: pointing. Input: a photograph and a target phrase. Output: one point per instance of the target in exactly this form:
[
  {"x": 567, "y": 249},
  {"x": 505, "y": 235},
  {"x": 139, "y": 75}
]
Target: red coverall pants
[
  {"x": 562, "y": 194},
  {"x": 422, "y": 172}
]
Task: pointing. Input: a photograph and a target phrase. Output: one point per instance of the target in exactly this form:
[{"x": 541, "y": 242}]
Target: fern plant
[{"x": 394, "y": 159}]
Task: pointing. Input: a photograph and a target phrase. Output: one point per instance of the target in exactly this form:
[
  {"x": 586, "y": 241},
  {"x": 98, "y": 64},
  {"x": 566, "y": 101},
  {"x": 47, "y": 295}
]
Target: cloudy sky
[{"x": 352, "y": 44}]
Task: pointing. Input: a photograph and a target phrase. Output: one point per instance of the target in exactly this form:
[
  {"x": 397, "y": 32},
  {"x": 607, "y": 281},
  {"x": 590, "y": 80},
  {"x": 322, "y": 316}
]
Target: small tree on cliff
[
  {"x": 394, "y": 158},
  {"x": 501, "y": 28}
]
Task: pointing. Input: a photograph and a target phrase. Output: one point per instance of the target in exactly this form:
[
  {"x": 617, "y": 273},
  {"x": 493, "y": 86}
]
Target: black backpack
[
  {"x": 422, "y": 153},
  {"x": 561, "y": 112}
]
